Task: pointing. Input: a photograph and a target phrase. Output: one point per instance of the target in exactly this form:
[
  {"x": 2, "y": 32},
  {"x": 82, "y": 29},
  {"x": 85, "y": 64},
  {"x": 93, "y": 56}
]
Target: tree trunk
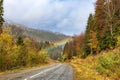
[
  {"x": 91, "y": 51},
  {"x": 1, "y": 30}
]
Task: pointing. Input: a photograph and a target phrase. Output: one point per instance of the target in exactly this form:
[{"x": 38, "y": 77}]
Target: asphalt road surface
[{"x": 52, "y": 72}]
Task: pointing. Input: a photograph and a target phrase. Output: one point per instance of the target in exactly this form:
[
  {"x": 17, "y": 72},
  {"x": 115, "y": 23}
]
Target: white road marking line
[
  {"x": 44, "y": 71},
  {"x": 36, "y": 74}
]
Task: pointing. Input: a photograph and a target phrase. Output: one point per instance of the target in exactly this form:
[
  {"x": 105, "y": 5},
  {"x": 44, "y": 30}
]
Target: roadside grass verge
[
  {"x": 103, "y": 66},
  {"x": 84, "y": 69},
  {"x": 109, "y": 64}
]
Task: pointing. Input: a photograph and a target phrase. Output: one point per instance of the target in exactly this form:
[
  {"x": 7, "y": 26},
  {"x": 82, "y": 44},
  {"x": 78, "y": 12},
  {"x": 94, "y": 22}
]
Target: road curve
[{"x": 53, "y": 72}]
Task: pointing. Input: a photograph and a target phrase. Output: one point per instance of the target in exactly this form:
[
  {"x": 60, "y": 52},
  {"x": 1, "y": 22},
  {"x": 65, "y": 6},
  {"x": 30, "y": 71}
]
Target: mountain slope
[{"x": 38, "y": 35}]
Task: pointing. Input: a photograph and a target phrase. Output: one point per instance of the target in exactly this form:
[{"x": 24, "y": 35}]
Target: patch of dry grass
[{"x": 85, "y": 69}]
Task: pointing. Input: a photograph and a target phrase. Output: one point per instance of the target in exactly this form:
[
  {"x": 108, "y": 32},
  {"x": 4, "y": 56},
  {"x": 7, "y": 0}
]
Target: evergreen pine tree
[
  {"x": 89, "y": 27},
  {"x": 1, "y": 15},
  {"x": 20, "y": 41}
]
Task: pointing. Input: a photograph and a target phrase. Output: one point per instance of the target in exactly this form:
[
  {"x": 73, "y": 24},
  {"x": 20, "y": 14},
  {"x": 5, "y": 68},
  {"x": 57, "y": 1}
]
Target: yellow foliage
[
  {"x": 43, "y": 57},
  {"x": 13, "y": 55},
  {"x": 27, "y": 41},
  {"x": 93, "y": 41},
  {"x": 6, "y": 42}
]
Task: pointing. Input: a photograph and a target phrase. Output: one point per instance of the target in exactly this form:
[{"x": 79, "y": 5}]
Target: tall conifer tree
[{"x": 1, "y": 15}]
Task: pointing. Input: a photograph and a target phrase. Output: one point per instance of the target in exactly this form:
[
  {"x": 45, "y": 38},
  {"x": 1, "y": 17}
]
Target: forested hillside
[
  {"x": 23, "y": 47},
  {"x": 101, "y": 39},
  {"x": 94, "y": 54},
  {"x": 35, "y": 34},
  {"x": 102, "y": 30}
]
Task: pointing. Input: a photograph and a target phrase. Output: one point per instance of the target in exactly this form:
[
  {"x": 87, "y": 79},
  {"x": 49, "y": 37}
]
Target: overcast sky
[{"x": 64, "y": 16}]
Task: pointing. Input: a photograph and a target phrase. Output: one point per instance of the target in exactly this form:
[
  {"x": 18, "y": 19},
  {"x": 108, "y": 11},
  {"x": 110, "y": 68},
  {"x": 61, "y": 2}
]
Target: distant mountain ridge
[{"x": 36, "y": 34}]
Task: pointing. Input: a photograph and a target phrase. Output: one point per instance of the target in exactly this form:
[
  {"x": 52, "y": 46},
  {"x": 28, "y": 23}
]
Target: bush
[
  {"x": 32, "y": 59},
  {"x": 6, "y": 45},
  {"x": 19, "y": 53},
  {"x": 109, "y": 65},
  {"x": 43, "y": 57}
]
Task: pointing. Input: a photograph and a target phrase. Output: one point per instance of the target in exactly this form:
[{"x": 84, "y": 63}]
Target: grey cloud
[{"x": 65, "y": 16}]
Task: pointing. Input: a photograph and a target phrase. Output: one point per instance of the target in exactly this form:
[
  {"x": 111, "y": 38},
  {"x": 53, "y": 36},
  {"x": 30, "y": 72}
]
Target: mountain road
[{"x": 52, "y": 72}]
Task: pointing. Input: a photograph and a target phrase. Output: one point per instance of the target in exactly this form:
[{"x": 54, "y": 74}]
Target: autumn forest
[{"x": 96, "y": 49}]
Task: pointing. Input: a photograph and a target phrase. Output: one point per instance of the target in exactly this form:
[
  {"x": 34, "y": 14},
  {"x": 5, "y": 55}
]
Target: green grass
[
  {"x": 109, "y": 65},
  {"x": 103, "y": 66}
]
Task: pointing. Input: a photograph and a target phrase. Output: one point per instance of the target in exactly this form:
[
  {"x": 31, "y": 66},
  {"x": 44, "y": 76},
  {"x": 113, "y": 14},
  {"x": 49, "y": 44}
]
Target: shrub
[
  {"x": 43, "y": 57},
  {"x": 19, "y": 53},
  {"x": 32, "y": 59},
  {"x": 109, "y": 65}
]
